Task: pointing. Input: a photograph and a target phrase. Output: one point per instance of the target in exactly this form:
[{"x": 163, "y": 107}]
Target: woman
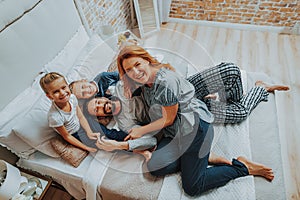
[{"x": 182, "y": 120}]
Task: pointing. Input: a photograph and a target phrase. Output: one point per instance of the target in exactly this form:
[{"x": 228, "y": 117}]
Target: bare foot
[
  {"x": 215, "y": 159},
  {"x": 271, "y": 88},
  {"x": 147, "y": 154},
  {"x": 211, "y": 96},
  {"x": 257, "y": 169}
]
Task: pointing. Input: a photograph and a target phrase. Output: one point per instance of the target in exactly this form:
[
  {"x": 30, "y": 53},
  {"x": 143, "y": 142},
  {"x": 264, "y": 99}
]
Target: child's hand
[
  {"x": 107, "y": 144},
  {"x": 92, "y": 150},
  {"x": 93, "y": 136}
]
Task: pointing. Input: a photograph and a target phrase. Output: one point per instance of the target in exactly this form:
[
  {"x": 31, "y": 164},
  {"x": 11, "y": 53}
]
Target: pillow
[
  {"x": 94, "y": 58},
  {"x": 65, "y": 59},
  {"x": 34, "y": 128},
  {"x": 71, "y": 154},
  {"x": 12, "y": 115}
]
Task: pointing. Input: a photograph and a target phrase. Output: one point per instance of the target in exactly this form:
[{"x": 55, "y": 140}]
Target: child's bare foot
[
  {"x": 215, "y": 159},
  {"x": 211, "y": 96},
  {"x": 147, "y": 154},
  {"x": 271, "y": 88},
  {"x": 257, "y": 169}
]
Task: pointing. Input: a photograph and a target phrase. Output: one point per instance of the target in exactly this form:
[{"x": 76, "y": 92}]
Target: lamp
[{"x": 11, "y": 182}]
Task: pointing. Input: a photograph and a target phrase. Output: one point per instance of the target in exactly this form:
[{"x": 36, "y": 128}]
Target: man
[{"x": 112, "y": 117}]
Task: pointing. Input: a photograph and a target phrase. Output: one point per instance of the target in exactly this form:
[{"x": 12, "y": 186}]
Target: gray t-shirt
[
  {"x": 126, "y": 118},
  {"x": 58, "y": 117},
  {"x": 132, "y": 110},
  {"x": 168, "y": 89}
]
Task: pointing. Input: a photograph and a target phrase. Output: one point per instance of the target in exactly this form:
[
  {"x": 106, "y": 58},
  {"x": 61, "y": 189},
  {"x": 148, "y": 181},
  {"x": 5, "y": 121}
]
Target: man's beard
[{"x": 107, "y": 112}]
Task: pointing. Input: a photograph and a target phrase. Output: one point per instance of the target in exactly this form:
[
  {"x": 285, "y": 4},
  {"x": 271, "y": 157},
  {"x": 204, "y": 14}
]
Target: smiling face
[
  {"x": 100, "y": 107},
  {"x": 84, "y": 89},
  {"x": 137, "y": 69},
  {"x": 58, "y": 91}
]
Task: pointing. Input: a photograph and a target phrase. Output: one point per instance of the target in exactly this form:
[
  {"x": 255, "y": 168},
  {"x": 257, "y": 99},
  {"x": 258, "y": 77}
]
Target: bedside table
[{"x": 36, "y": 187}]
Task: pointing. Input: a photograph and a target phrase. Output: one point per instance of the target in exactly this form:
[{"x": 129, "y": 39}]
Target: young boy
[
  {"x": 65, "y": 116},
  {"x": 99, "y": 87}
]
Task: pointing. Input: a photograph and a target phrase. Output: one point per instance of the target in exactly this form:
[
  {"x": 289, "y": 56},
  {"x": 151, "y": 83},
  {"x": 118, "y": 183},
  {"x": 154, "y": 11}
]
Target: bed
[{"x": 42, "y": 36}]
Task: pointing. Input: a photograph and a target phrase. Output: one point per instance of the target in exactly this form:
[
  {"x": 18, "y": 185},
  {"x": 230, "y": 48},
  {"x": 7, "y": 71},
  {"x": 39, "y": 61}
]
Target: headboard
[{"x": 32, "y": 33}]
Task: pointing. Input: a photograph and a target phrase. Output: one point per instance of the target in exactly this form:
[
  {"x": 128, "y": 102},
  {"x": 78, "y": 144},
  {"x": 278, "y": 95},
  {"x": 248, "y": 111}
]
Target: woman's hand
[
  {"x": 107, "y": 144},
  {"x": 133, "y": 133},
  {"x": 93, "y": 136}
]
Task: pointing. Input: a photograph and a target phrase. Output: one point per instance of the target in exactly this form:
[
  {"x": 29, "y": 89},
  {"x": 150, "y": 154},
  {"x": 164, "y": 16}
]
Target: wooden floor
[
  {"x": 275, "y": 54},
  {"x": 54, "y": 193}
]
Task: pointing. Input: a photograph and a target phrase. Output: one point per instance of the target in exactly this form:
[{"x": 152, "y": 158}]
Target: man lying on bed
[{"x": 106, "y": 85}]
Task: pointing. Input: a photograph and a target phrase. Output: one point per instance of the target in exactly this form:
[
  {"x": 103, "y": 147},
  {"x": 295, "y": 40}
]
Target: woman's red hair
[{"x": 135, "y": 51}]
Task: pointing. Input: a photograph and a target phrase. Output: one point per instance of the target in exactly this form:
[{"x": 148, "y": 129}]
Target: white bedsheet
[{"x": 77, "y": 183}]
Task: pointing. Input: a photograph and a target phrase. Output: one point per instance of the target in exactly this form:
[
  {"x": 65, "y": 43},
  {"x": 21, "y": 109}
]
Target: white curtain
[{"x": 164, "y": 10}]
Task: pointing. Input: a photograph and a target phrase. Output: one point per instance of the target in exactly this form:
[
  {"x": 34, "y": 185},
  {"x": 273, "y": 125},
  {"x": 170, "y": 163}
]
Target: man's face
[
  {"x": 84, "y": 89},
  {"x": 101, "y": 107}
]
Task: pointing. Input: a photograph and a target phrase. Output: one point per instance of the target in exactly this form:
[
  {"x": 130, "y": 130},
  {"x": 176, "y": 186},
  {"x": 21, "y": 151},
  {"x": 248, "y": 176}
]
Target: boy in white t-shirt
[{"x": 65, "y": 116}]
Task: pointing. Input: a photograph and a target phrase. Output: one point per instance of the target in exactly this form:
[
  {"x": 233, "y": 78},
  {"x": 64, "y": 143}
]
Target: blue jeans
[
  {"x": 189, "y": 154},
  {"x": 76, "y": 136}
]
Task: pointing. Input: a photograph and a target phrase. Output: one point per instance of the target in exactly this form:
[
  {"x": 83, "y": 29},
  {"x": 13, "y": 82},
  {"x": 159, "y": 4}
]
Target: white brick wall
[{"x": 106, "y": 12}]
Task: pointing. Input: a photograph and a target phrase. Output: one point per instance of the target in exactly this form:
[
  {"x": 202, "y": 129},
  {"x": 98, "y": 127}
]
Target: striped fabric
[{"x": 225, "y": 79}]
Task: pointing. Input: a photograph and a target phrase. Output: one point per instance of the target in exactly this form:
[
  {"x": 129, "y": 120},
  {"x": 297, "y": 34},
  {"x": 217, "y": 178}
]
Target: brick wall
[
  {"x": 105, "y": 12},
  {"x": 257, "y": 12}
]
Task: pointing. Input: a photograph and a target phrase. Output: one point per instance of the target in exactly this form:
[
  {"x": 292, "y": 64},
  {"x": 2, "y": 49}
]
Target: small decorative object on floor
[
  {"x": 20, "y": 185},
  {"x": 2, "y": 176},
  {"x": 11, "y": 180}
]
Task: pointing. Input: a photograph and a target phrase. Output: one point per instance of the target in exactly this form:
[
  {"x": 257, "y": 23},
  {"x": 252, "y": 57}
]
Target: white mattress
[
  {"x": 71, "y": 177},
  {"x": 265, "y": 143},
  {"x": 261, "y": 148}
]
